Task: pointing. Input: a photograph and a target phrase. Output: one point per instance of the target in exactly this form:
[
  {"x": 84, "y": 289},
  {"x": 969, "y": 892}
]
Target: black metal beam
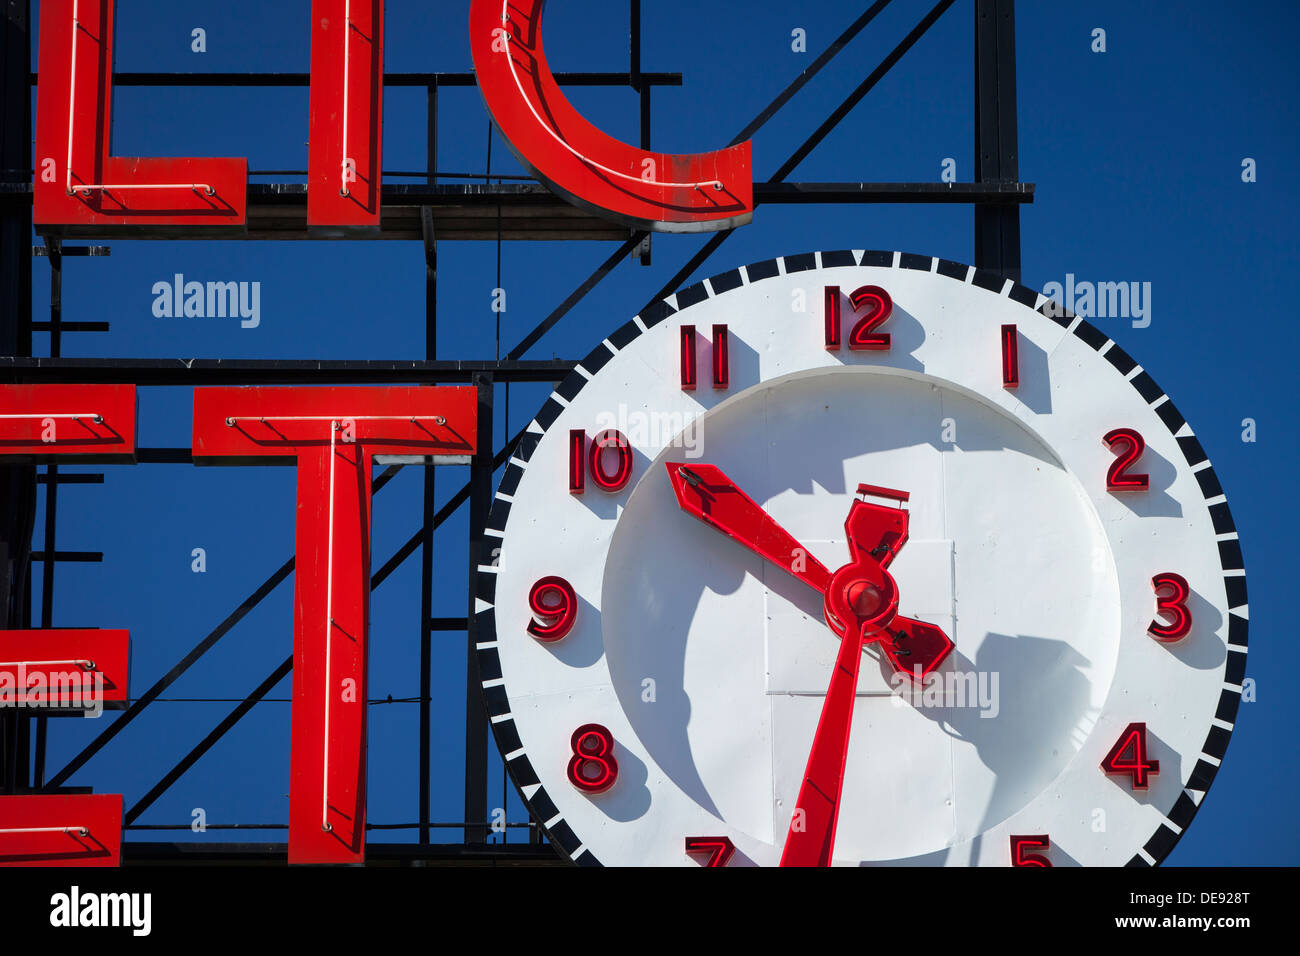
[
  {"x": 70, "y": 327},
  {"x": 863, "y": 88},
  {"x": 810, "y": 71},
  {"x": 425, "y": 743},
  {"x": 448, "y": 623},
  {"x": 15, "y": 166},
  {"x": 520, "y": 211},
  {"x": 207, "y": 742},
  {"x": 76, "y": 251},
  {"x": 17, "y": 482},
  {"x": 574, "y": 298},
  {"x": 1008, "y": 193},
  {"x": 476, "y": 723},
  {"x": 997, "y": 228},
  {"x": 189, "y": 80},
  {"x": 140, "y": 853},
  {"x": 54, "y": 252},
  {"x": 196, "y": 372},
  {"x": 76, "y": 478},
  {"x": 780, "y": 189},
  {"x": 487, "y": 197},
  {"x": 73, "y": 557},
  {"x": 139, "y": 704}
]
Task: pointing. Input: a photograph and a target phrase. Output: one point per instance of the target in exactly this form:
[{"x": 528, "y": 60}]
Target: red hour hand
[
  {"x": 909, "y": 644},
  {"x": 707, "y": 493}
]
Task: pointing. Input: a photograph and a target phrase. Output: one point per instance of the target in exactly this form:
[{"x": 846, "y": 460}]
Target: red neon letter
[
  {"x": 666, "y": 192},
  {"x": 58, "y": 829},
  {"x": 333, "y": 434},
  {"x": 64, "y": 672},
  {"x": 347, "y": 100},
  {"x": 78, "y": 184}
]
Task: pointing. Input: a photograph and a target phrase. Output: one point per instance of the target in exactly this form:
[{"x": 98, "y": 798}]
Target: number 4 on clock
[{"x": 1129, "y": 756}]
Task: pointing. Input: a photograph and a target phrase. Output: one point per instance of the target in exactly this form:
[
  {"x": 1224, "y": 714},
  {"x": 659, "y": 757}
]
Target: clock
[{"x": 861, "y": 558}]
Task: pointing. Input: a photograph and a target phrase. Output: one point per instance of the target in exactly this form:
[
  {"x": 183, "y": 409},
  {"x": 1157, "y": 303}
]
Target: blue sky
[{"x": 1137, "y": 155}]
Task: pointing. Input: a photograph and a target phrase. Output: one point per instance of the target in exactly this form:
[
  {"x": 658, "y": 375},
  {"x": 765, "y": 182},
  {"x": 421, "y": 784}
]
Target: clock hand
[
  {"x": 707, "y": 493},
  {"x": 912, "y": 644},
  {"x": 861, "y": 605},
  {"x": 875, "y": 533},
  {"x": 811, "y": 838}
]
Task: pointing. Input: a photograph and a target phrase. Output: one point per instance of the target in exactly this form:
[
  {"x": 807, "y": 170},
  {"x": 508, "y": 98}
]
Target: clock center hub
[
  {"x": 865, "y": 598},
  {"x": 862, "y": 593}
]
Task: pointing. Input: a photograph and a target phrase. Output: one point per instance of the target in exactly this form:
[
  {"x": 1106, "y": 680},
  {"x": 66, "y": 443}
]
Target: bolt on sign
[{"x": 81, "y": 188}]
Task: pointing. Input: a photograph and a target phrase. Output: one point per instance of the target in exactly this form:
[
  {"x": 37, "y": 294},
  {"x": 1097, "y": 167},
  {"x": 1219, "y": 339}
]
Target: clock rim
[{"x": 496, "y": 699}]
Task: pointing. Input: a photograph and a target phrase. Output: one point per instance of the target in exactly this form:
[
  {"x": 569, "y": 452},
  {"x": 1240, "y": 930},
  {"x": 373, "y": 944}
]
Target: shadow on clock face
[
  {"x": 1203, "y": 648},
  {"x": 1154, "y": 501},
  {"x": 906, "y": 336},
  {"x": 1163, "y": 786},
  {"x": 707, "y": 619},
  {"x": 1035, "y": 388},
  {"x": 601, "y": 503},
  {"x": 1024, "y": 724}
]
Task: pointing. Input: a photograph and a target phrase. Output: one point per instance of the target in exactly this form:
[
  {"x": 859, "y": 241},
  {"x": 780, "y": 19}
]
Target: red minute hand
[
  {"x": 708, "y": 494},
  {"x": 812, "y": 830}
]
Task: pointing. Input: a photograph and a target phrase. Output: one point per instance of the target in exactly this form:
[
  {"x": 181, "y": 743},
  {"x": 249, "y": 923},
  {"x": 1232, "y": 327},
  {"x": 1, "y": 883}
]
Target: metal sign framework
[{"x": 430, "y": 211}]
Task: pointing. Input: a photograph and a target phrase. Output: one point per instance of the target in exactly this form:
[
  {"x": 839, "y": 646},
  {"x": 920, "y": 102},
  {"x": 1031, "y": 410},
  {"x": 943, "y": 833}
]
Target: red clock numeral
[
  {"x": 688, "y": 358},
  {"x": 879, "y": 306},
  {"x": 611, "y": 440},
  {"x": 1129, "y": 756},
  {"x": 721, "y": 361},
  {"x": 720, "y": 849},
  {"x": 593, "y": 768},
  {"x": 1019, "y": 846},
  {"x": 1174, "y": 604},
  {"x": 1010, "y": 357},
  {"x": 1116, "y": 478},
  {"x": 577, "y": 461},
  {"x": 832, "y": 318},
  {"x": 555, "y": 608}
]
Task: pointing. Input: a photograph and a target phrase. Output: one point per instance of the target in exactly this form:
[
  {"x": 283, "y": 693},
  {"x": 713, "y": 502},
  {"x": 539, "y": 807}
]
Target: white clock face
[{"x": 1072, "y": 721}]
